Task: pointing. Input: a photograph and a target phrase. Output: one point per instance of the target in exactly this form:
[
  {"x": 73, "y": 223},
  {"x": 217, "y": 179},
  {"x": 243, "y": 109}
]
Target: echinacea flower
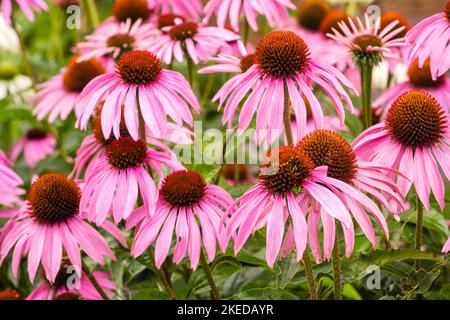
[
  {"x": 418, "y": 79},
  {"x": 413, "y": 139},
  {"x": 191, "y": 9},
  {"x": 186, "y": 202},
  {"x": 116, "y": 39},
  {"x": 26, "y": 6},
  {"x": 10, "y": 182},
  {"x": 69, "y": 286},
  {"x": 188, "y": 38},
  {"x": 36, "y": 145},
  {"x": 287, "y": 187},
  {"x": 430, "y": 38},
  {"x": 120, "y": 176},
  {"x": 143, "y": 87},
  {"x": 275, "y": 11},
  {"x": 10, "y": 294},
  {"x": 282, "y": 71},
  {"x": 48, "y": 222},
  {"x": 59, "y": 95},
  {"x": 353, "y": 181}
]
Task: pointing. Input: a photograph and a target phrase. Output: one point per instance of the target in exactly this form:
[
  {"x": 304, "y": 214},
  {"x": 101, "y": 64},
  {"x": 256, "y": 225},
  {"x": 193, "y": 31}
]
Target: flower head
[
  {"x": 36, "y": 145},
  {"x": 10, "y": 182},
  {"x": 26, "y": 6},
  {"x": 311, "y": 13}
]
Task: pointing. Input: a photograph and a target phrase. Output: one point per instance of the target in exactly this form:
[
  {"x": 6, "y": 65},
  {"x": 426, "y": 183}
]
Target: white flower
[{"x": 9, "y": 40}]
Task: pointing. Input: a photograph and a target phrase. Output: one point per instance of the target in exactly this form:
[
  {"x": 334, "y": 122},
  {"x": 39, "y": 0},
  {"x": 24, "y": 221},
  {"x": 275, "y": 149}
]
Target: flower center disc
[
  {"x": 183, "y": 188},
  {"x": 98, "y": 132},
  {"x": 8, "y": 71},
  {"x": 366, "y": 41},
  {"x": 183, "y": 31},
  {"x": 247, "y": 62},
  {"x": 326, "y": 148},
  {"x": 69, "y": 296},
  {"x": 310, "y": 13},
  {"x": 120, "y": 41},
  {"x": 235, "y": 172},
  {"x": 126, "y": 153},
  {"x": 447, "y": 10},
  {"x": 10, "y": 294},
  {"x": 54, "y": 198},
  {"x": 138, "y": 67},
  {"x": 421, "y": 77},
  {"x": 332, "y": 21},
  {"x": 285, "y": 169},
  {"x": 131, "y": 9},
  {"x": 79, "y": 74},
  {"x": 35, "y": 134},
  {"x": 390, "y": 17},
  {"x": 416, "y": 119},
  {"x": 168, "y": 20},
  {"x": 282, "y": 54}
]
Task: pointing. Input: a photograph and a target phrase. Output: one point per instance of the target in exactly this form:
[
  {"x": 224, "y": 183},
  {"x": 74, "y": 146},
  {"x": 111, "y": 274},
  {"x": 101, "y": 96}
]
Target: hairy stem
[
  {"x": 419, "y": 227},
  {"x": 214, "y": 290},
  {"x": 287, "y": 116},
  {"x": 310, "y": 274},
  {"x": 366, "y": 94},
  {"x": 94, "y": 282},
  {"x": 162, "y": 276},
  {"x": 337, "y": 269}
]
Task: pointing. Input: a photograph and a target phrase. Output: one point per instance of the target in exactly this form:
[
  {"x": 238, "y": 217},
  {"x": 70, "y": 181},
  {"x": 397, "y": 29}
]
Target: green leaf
[
  {"x": 382, "y": 257},
  {"x": 224, "y": 259},
  {"x": 264, "y": 294},
  {"x": 149, "y": 294}
]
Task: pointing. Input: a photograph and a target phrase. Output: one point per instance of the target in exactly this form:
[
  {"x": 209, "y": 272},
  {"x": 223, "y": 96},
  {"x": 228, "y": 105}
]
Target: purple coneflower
[{"x": 36, "y": 145}]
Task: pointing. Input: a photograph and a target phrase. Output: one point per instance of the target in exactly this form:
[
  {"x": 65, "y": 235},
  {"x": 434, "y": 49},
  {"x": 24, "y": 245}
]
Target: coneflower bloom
[
  {"x": 198, "y": 41},
  {"x": 10, "y": 182},
  {"x": 116, "y": 39},
  {"x": 142, "y": 86},
  {"x": 282, "y": 68},
  {"x": 58, "y": 96},
  {"x": 69, "y": 286},
  {"x": 430, "y": 38},
  {"x": 26, "y": 6},
  {"x": 191, "y": 9},
  {"x": 36, "y": 145},
  {"x": 120, "y": 176},
  {"x": 413, "y": 139},
  {"x": 48, "y": 222},
  {"x": 287, "y": 186},
  {"x": 419, "y": 79},
  {"x": 185, "y": 204},
  {"x": 275, "y": 11},
  {"x": 352, "y": 180}
]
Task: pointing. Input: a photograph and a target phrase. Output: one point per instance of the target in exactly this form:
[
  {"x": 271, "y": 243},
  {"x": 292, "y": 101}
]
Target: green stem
[
  {"x": 162, "y": 276},
  {"x": 419, "y": 228},
  {"x": 366, "y": 94},
  {"x": 92, "y": 12},
  {"x": 287, "y": 116},
  {"x": 214, "y": 290},
  {"x": 190, "y": 67},
  {"x": 94, "y": 282},
  {"x": 246, "y": 32},
  {"x": 207, "y": 90},
  {"x": 309, "y": 272},
  {"x": 337, "y": 269}
]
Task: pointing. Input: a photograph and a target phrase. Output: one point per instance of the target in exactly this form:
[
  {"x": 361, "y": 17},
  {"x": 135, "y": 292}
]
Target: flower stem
[
  {"x": 337, "y": 270},
  {"x": 310, "y": 274},
  {"x": 214, "y": 290},
  {"x": 93, "y": 13},
  {"x": 419, "y": 224},
  {"x": 94, "y": 282},
  {"x": 366, "y": 94},
  {"x": 246, "y": 31},
  {"x": 190, "y": 67},
  {"x": 162, "y": 276},
  {"x": 287, "y": 116},
  {"x": 141, "y": 124}
]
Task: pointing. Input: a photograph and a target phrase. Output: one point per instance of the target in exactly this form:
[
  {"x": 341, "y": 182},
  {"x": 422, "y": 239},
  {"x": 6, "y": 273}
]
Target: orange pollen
[
  {"x": 131, "y": 9},
  {"x": 421, "y": 77},
  {"x": 126, "y": 153},
  {"x": 183, "y": 31},
  {"x": 138, "y": 67},
  {"x": 78, "y": 74},
  {"x": 247, "y": 62},
  {"x": 183, "y": 188}
]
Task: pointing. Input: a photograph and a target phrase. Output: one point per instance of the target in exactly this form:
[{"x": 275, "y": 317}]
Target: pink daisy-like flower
[
  {"x": 117, "y": 179},
  {"x": 48, "y": 222},
  {"x": 198, "y": 41},
  {"x": 58, "y": 96},
  {"x": 430, "y": 38},
  {"x": 413, "y": 139},
  {"x": 368, "y": 42},
  {"x": 287, "y": 186},
  {"x": 26, "y": 6},
  {"x": 80, "y": 288},
  {"x": 419, "y": 79},
  {"x": 282, "y": 70},
  {"x": 275, "y": 12},
  {"x": 143, "y": 87},
  {"x": 185, "y": 197},
  {"x": 36, "y": 145},
  {"x": 191, "y": 9},
  {"x": 116, "y": 39},
  {"x": 10, "y": 182}
]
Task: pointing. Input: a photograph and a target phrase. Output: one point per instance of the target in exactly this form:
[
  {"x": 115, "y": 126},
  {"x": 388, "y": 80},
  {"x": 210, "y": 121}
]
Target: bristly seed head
[
  {"x": 168, "y": 20},
  {"x": 310, "y": 13},
  {"x": 35, "y": 134},
  {"x": 69, "y": 296},
  {"x": 139, "y": 67},
  {"x": 416, "y": 119},
  {"x": 332, "y": 21},
  {"x": 183, "y": 188},
  {"x": 362, "y": 56},
  {"x": 282, "y": 54},
  {"x": 126, "y": 153},
  {"x": 247, "y": 62},
  {"x": 78, "y": 74},
  {"x": 389, "y": 17},
  {"x": 367, "y": 40},
  {"x": 183, "y": 31},
  {"x": 421, "y": 77},
  {"x": 131, "y": 9},
  {"x": 10, "y": 294},
  {"x": 54, "y": 198},
  {"x": 326, "y": 148},
  {"x": 285, "y": 169}
]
